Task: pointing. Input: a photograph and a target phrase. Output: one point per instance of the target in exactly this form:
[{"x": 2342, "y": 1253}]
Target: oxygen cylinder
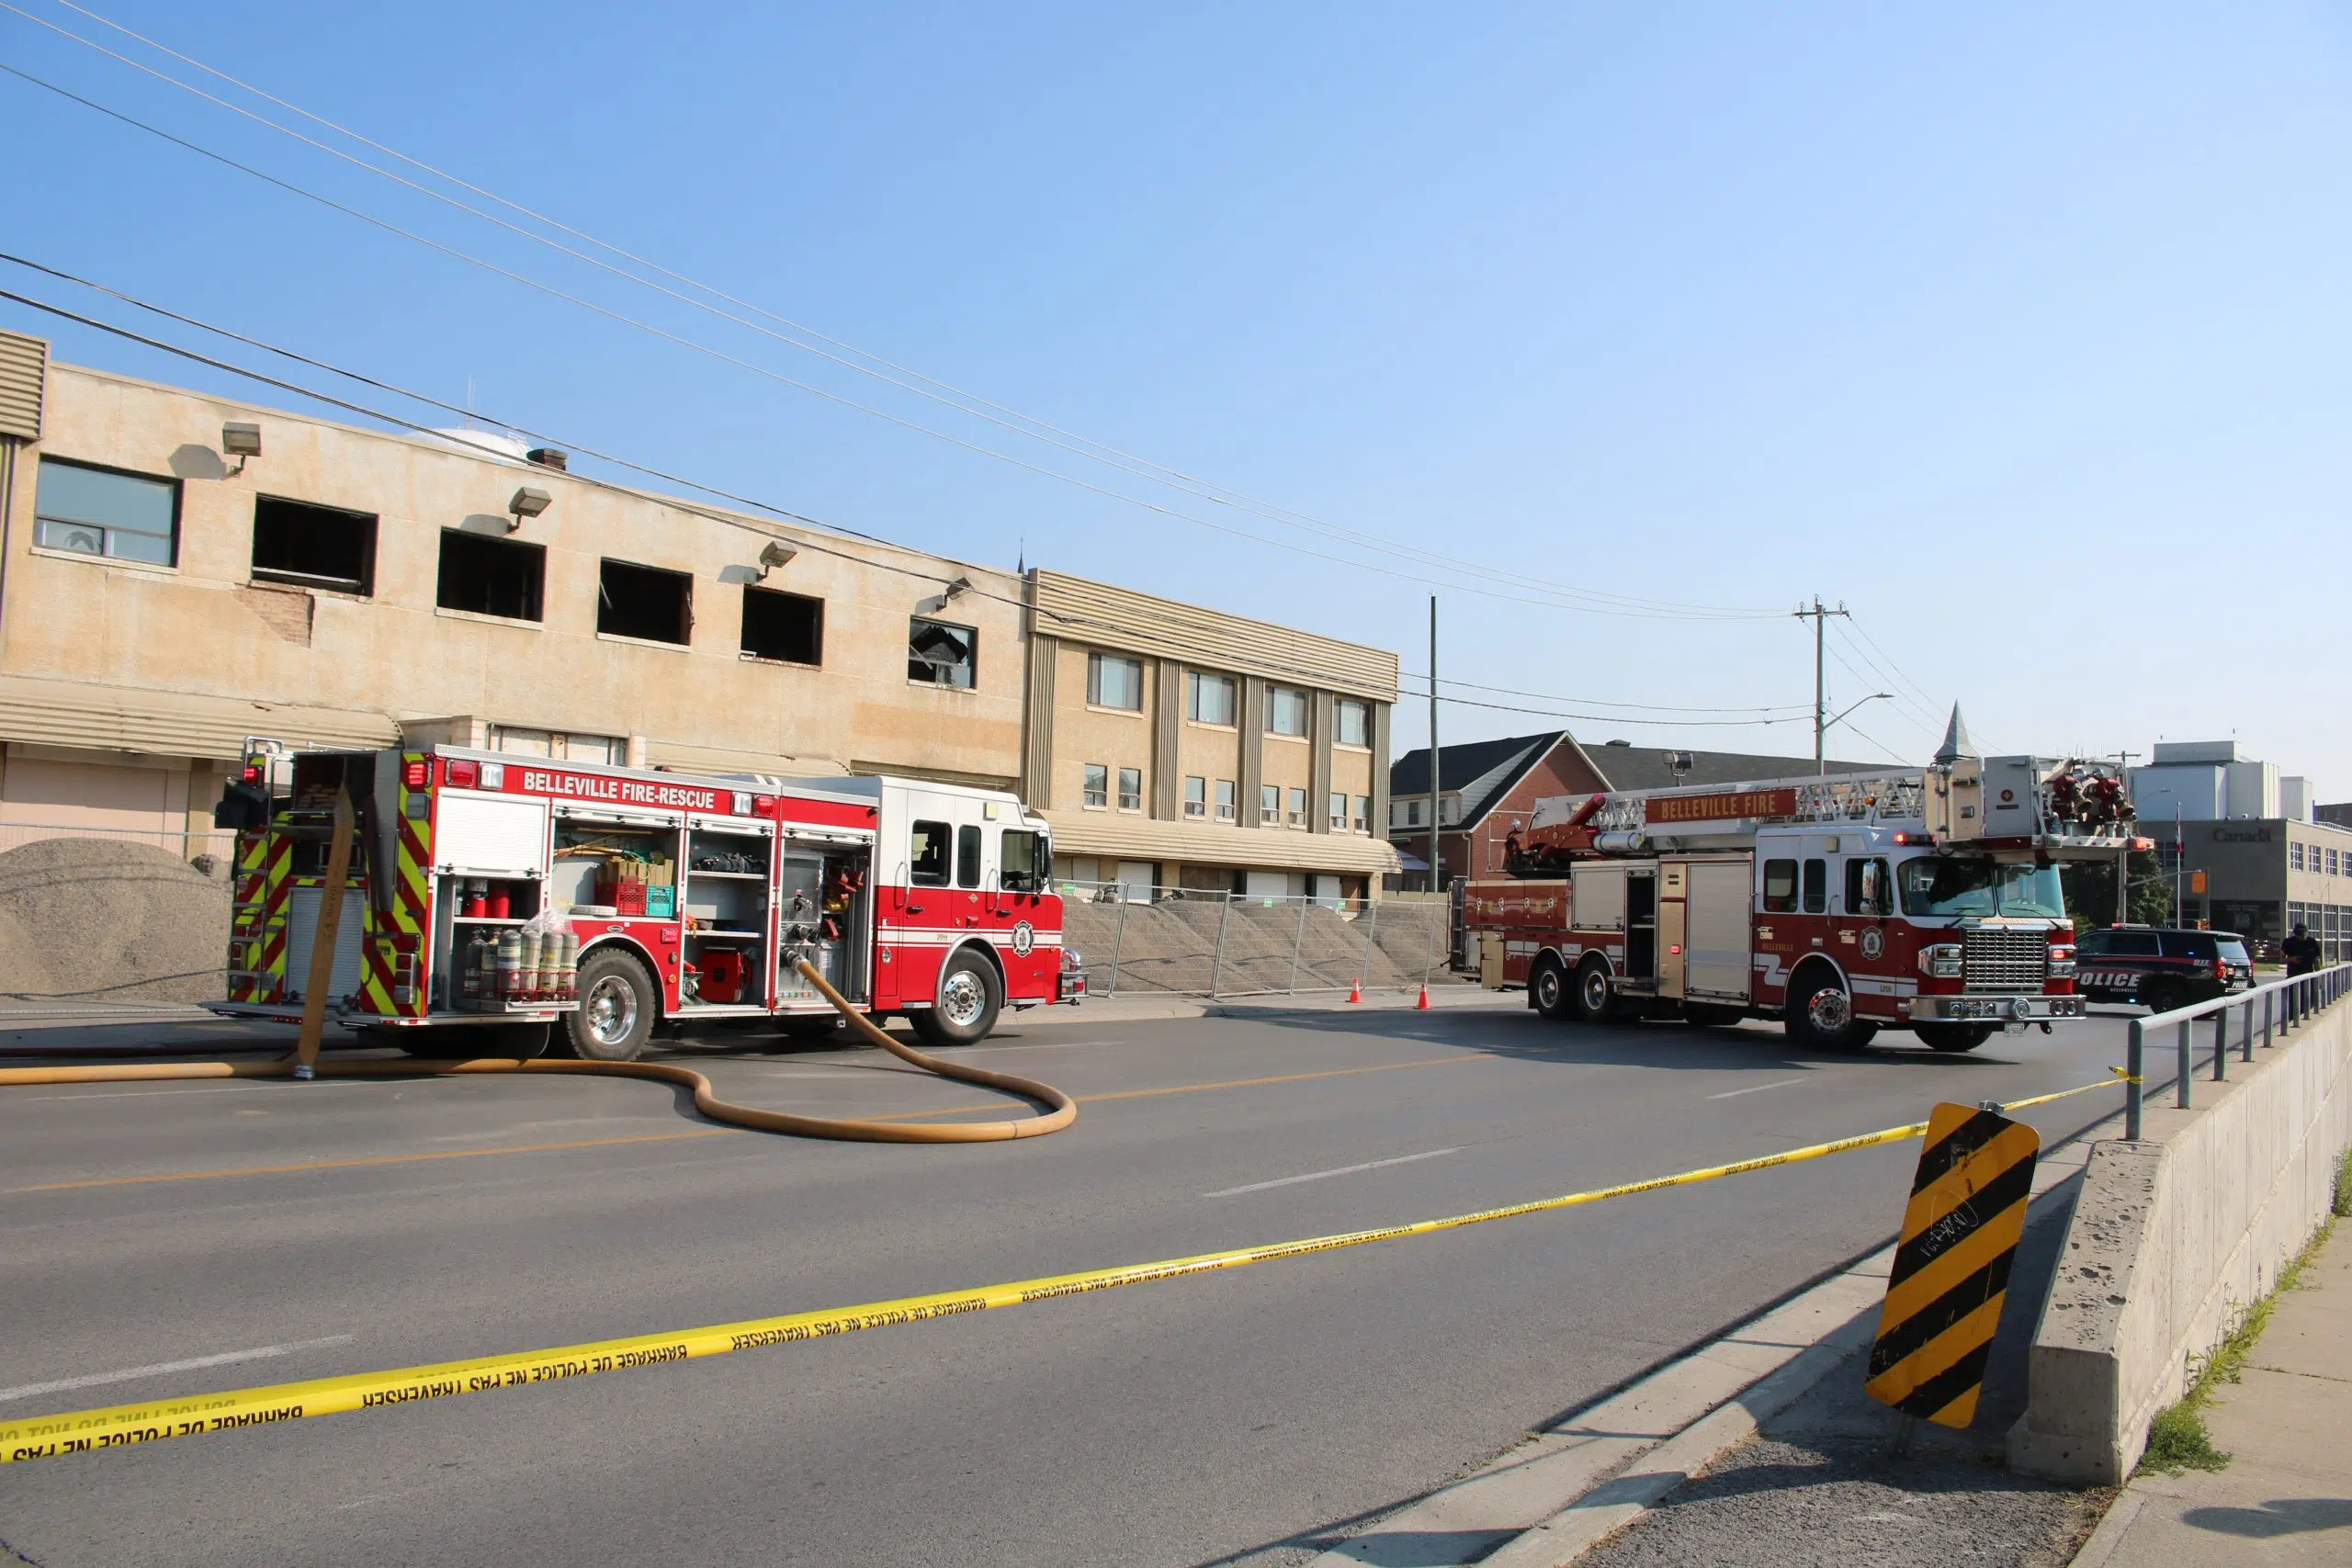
[
  {"x": 510, "y": 964},
  {"x": 526, "y": 967},
  {"x": 470, "y": 975},
  {"x": 568, "y": 976}
]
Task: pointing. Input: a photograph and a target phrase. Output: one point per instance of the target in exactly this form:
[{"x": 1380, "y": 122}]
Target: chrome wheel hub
[
  {"x": 963, "y": 998},
  {"x": 1830, "y": 1010},
  {"x": 611, "y": 1010}
]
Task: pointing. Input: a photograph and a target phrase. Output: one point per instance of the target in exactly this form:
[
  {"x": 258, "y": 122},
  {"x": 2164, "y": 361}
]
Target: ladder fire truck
[
  {"x": 593, "y": 907},
  {"x": 1926, "y": 898}
]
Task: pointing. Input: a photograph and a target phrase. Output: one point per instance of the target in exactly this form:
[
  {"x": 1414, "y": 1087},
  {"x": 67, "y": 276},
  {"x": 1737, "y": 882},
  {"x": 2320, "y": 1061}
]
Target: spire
[{"x": 1956, "y": 741}]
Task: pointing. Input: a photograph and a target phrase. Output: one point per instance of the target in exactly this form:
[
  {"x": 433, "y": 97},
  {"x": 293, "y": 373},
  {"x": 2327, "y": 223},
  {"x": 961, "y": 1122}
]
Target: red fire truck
[
  {"x": 1926, "y": 898},
  {"x": 487, "y": 889}
]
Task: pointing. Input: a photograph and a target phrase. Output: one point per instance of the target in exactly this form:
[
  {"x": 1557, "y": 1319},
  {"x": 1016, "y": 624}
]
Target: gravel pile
[{"x": 116, "y": 922}]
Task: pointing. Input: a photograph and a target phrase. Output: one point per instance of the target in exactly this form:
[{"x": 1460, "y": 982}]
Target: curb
[{"x": 1545, "y": 1502}]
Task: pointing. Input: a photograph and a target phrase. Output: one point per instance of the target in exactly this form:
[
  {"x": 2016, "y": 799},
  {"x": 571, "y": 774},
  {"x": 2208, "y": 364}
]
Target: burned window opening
[
  {"x": 644, "y": 601},
  {"x": 786, "y": 627},
  {"x": 491, "y": 577},
  {"x": 940, "y": 653},
  {"x": 305, "y": 546}
]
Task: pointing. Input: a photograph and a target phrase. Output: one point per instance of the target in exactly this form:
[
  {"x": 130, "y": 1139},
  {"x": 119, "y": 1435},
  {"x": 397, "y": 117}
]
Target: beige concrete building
[
  {"x": 178, "y": 571},
  {"x": 1177, "y": 746}
]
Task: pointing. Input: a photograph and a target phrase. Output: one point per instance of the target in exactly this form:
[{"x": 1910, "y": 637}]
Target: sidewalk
[{"x": 2286, "y": 1497}]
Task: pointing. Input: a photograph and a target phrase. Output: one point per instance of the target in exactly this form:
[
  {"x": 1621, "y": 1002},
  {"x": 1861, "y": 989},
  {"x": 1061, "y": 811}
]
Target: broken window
[
  {"x": 1098, "y": 785},
  {"x": 490, "y": 576},
  {"x": 940, "y": 653},
  {"x": 644, "y": 601},
  {"x": 99, "y": 512},
  {"x": 787, "y": 627},
  {"x": 313, "y": 547}
]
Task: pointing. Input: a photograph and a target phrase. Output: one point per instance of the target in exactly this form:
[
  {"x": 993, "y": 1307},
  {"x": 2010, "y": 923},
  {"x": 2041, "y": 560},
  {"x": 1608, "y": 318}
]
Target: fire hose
[{"x": 1061, "y": 1110}]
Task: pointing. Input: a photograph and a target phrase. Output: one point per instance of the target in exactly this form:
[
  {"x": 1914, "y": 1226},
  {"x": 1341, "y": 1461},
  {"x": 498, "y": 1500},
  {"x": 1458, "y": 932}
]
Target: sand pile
[{"x": 89, "y": 915}]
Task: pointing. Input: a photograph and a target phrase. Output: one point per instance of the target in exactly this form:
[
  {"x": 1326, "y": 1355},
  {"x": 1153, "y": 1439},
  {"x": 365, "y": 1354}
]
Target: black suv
[{"x": 2158, "y": 968}]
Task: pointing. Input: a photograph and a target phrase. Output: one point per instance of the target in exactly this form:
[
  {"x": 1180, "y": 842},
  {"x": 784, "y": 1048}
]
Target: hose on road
[{"x": 1061, "y": 1110}]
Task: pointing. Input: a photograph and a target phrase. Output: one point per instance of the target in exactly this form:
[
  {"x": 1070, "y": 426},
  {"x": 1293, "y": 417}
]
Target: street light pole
[{"x": 1433, "y": 766}]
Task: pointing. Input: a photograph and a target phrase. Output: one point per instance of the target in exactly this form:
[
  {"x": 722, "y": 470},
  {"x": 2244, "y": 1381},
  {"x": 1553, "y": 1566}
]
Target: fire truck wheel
[
  {"x": 968, "y": 999},
  {"x": 619, "y": 1007},
  {"x": 1547, "y": 987},
  {"x": 1592, "y": 1001},
  {"x": 1821, "y": 1015},
  {"x": 1953, "y": 1037}
]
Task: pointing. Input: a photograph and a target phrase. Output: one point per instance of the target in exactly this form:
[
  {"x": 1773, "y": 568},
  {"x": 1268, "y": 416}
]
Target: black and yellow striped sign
[{"x": 1952, "y": 1265}]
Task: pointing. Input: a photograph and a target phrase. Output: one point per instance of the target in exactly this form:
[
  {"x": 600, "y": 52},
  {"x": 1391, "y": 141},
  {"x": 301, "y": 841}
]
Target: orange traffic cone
[
  {"x": 1355, "y": 990},
  {"x": 1423, "y": 1005}
]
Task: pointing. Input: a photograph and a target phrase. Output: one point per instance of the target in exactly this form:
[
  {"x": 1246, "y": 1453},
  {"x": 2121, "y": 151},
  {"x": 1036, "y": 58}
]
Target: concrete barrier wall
[{"x": 2172, "y": 1237}]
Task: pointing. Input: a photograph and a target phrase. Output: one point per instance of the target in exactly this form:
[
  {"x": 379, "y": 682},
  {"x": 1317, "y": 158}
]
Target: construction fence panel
[{"x": 1185, "y": 942}]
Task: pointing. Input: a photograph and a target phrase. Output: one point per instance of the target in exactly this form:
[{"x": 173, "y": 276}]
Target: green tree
[{"x": 2090, "y": 892}]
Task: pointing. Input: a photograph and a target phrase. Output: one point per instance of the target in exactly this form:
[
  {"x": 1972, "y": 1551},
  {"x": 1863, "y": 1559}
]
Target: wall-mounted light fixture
[
  {"x": 241, "y": 439},
  {"x": 774, "y": 554},
  {"x": 529, "y": 502},
  {"x": 958, "y": 588}
]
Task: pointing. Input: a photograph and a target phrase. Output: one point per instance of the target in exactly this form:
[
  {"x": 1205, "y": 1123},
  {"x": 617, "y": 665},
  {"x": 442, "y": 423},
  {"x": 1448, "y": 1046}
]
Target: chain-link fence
[{"x": 1232, "y": 944}]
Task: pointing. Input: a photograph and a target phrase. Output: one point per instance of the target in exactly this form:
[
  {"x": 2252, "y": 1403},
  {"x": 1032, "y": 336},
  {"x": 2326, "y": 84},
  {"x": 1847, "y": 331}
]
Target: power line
[
  {"x": 1592, "y": 601},
  {"x": 1423, "y": 691},
  {"x": 1597, "y": 703}
]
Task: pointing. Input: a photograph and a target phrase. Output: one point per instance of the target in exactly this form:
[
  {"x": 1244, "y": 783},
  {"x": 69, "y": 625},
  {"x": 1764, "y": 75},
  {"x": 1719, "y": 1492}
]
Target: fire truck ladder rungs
[{"x": 1061, "y": 1109}]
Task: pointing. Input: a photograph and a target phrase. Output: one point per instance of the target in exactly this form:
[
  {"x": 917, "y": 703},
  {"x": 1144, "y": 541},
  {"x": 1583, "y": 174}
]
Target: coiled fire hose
[{"x": 1061, "y": 1109}]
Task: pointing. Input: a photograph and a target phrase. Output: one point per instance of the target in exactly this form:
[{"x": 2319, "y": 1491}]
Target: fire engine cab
[
  {"x": 1925, "y": 899},
  {"x": 590, "y": 907}
]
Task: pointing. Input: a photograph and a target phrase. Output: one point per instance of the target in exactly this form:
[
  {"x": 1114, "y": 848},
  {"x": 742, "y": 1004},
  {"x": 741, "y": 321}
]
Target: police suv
[{"x": 2161, "y": 969}]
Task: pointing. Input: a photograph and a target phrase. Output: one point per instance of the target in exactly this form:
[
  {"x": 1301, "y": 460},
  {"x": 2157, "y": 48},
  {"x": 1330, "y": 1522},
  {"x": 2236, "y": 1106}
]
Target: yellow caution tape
[{"x": 82, "y": 1431}]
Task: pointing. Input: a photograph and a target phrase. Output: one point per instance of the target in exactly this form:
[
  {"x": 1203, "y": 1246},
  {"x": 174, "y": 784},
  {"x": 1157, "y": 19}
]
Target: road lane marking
[
  {"x": 1336, "y": 1171},
  {"x": 362, "y": 1161},
  {"x": 1754, "y": 1088},
  {"x": 193, "y": 1363}
]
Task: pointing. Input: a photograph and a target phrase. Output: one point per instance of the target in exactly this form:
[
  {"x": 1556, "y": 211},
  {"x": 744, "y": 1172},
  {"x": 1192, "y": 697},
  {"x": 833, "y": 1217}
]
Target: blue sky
[{"x": 2022, "y": 331}]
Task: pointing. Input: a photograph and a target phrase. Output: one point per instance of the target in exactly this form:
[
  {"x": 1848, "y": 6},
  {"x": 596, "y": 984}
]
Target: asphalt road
[{"x": 1254, "y": 1415}]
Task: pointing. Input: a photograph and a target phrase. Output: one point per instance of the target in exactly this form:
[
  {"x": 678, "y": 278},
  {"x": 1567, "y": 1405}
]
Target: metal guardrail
[{"x": 2285, "y": 1004}]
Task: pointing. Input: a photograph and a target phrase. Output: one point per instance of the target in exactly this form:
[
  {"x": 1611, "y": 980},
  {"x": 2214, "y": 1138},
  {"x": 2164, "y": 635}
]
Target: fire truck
[
  {"x": 1926, "y": 898},
  {"x": 593, "y": 908}
]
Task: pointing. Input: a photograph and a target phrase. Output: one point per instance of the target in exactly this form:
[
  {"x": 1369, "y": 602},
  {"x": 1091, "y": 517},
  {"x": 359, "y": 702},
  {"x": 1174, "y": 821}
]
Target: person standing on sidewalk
[{"x": 2300, "y": 951}]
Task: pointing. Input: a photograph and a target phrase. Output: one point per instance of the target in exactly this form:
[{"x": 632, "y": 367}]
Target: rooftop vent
[{"x": 548, "y": 457}]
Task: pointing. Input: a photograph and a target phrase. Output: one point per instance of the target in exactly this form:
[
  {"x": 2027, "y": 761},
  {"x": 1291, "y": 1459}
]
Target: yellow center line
[{"x": 365, "y": 1160}]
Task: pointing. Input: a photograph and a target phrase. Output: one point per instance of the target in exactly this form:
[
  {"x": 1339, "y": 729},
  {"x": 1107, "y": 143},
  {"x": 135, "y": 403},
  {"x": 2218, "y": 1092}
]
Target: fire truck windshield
[{"x": 1937, "y": 884}]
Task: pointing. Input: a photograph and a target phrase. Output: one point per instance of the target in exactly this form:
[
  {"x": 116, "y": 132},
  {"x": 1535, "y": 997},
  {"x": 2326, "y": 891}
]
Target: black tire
[
  {"x": 2161, "y": 996},
  {"x": 1591, "y": 997},
  {"x": 812, "y": 1027},
  {"x": 1710, "y": 1017},
  {"x": 1547, "y": 987},
  {"x": 969, "y": 1000},
  {"x": 1820, "y": 1015},
  {"x": 1953, "y": 1037},
  {"x": 619, "y": 1006}
]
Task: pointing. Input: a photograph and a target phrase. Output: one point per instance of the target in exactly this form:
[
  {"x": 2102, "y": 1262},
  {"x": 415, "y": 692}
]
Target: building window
[
  {"x": 1297, "y": 809},
  {"x": 1208, "y": 699},
  {"x": 313, "y": 547},
  {"x": 490, "y": 576},
  {"x": 1224, "y": 800},
  {"x": 1270, "y": 804},
  {"x": 1351, "y": 722},
  {"x": 787, "y": 628},
  {"x": 1113, "y": 681},
  {"x": 1131, "y": 789},
  {"x": 608, "y": 748},
  {"x": 1339, "y": 812},
  {"x": 1285, "y": 711},
  {"x": 940, "y": 653},
  {"x": 644, "y": 601},
  {"x": 100, "y": 512},
  {"x": 1196, "y": 797},
  {"x": 2331, "y": 862},
  {"x": 1449, "y": 808},
  {"x": 928, "y": 854},
  {"x": 2295, "y": 855},
  {"x": 1412, "y": 814},
  {"x": 1098, "y": 785},
  {"x": 1363, "y": 814}
]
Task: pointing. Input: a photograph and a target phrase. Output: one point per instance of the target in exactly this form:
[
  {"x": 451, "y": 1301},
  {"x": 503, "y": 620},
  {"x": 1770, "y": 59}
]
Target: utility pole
[
  {"x": 1433, "y": 767},
  {"x": 1820, "y": 618}
]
